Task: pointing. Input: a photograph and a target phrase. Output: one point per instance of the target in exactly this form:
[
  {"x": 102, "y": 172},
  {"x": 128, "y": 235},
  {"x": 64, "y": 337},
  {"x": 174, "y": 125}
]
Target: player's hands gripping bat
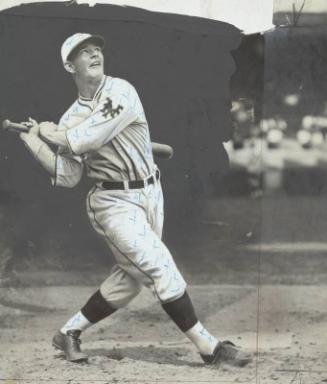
[
  {"x": 9, "y": 126},
  {"x": 30, "y": 126},
  {"x": 163, "y": 151}
]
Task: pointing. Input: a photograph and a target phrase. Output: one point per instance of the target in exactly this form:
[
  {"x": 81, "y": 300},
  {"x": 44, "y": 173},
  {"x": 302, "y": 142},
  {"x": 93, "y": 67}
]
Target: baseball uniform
[{"x": 109, "y": 136}]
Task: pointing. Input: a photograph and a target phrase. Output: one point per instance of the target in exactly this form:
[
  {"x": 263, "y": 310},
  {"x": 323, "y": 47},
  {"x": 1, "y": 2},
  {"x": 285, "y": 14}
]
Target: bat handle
[{"x": 9, "y": 125}]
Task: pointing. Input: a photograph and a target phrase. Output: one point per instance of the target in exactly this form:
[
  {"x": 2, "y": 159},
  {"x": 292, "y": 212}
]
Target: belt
[{"x": 136, "y": 184}]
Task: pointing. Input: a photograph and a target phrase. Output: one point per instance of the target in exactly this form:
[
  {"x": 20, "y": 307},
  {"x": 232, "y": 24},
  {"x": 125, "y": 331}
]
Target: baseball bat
[
  {"x": 8, "y": 125},
  {"x": 163, "y": 151}
]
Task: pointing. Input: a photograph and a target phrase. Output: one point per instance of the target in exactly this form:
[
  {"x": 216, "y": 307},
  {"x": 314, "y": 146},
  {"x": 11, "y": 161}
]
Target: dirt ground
[
  {"x": 140, "y": 345},
  {"x": 257, "y": 278}
]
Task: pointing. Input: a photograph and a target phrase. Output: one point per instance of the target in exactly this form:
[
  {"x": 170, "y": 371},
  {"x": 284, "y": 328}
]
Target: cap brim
[{"x": 97, "y": 39}]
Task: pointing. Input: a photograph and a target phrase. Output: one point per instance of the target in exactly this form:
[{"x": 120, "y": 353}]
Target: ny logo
[{"x": 109, "y": 110}]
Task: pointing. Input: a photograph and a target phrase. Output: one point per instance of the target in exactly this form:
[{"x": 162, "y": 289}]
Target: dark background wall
[
  {"x": 295, "y": 60},
  {"x": 181, "y": 67}
]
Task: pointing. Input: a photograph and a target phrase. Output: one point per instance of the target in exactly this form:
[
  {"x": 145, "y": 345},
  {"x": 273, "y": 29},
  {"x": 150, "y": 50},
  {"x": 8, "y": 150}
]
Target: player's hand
[
  {"x": 47, "y": 128},
  {"x": 33, "y": 125},
  {"x": 34, "y": 128}
]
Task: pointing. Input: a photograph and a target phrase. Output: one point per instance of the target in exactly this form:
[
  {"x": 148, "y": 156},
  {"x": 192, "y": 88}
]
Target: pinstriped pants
[{"x": 131, "y": 223}]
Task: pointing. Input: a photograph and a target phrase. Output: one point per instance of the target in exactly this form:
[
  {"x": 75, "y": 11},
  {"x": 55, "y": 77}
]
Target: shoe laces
[{"x": 76, "y": 342}]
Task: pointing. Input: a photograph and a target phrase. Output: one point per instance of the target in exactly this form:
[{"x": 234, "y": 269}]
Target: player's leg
[
  {"x": 148, "y": 260},
  {"x": 140, "y": 252},
  {"x": 115, "y": 292},
  {"x": 67, "y": 339},
  {"x": 212, "y": 351},
  {"x": 181, "y": 309}
]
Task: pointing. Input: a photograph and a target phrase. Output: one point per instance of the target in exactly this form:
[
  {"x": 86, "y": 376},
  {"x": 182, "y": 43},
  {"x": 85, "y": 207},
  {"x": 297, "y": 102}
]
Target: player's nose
[{"x": 94, "y": 53}]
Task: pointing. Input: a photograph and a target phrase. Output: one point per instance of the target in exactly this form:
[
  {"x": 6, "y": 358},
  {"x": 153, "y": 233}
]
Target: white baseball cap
[{"x": 75, "y": 40}]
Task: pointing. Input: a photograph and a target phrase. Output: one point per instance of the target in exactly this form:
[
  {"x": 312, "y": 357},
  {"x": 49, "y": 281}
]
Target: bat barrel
[{"x": 162, "y": 150}]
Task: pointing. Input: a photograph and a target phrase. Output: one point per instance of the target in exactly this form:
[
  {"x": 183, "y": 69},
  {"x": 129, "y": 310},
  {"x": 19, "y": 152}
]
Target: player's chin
[{"x": 95, "y": 70}]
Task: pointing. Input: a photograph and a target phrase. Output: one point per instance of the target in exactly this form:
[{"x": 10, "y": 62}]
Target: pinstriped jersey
[{"x": 109, "y": 133}]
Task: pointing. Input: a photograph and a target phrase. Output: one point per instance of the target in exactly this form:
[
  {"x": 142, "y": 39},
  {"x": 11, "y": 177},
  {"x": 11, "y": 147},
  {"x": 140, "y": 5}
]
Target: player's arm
[
  {"x": 39, "y": 149},
  {"x": 98, "y": 129},
  {"x": 68, "y": 169},
  {"x": 49, "y": 132},
  {"x": 65, "y": 170},
  {"x": 109, "y": 118}
]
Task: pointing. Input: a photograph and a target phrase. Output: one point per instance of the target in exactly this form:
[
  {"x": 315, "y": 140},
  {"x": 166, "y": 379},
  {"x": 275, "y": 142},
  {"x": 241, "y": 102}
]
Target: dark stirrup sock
[
  {"x": 97, "y": 308},
  {"x": 181, "y": 311}
]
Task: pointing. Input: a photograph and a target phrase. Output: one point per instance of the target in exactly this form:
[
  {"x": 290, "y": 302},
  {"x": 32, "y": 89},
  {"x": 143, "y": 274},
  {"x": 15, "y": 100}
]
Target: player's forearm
[
  {"x": 41, "y": 152},
  {"x": 99, "y": 128},
  {"x": 55, "y": 137},
  {"x": 90, "y": 138}
]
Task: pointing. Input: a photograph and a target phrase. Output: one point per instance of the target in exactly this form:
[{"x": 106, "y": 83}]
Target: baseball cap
[{"x": 75, "y": 40}]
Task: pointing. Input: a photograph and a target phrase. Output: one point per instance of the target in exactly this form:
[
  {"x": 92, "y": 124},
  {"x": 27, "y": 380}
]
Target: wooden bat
[
  {"x": 9, "y": 126},
  {"x": 163, "y": 151}
]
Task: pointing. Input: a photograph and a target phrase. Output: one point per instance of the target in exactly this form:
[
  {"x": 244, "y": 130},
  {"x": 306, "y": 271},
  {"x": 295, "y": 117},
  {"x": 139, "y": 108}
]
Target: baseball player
[{"x": 106, "y": 132}]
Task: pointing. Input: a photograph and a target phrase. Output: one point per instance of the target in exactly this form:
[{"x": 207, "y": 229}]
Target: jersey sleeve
[
  {"x": 113, "y": 113},
  {"x": 68, "y": 170}
]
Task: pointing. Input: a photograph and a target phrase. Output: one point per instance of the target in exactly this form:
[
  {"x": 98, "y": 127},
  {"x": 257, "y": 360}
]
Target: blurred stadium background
[{"x": 279, "y": 107}]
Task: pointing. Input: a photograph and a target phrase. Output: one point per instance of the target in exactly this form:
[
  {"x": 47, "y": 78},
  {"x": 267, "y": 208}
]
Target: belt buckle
[{"x": 126, "y": 185}]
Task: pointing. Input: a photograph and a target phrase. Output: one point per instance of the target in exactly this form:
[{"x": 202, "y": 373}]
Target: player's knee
[
  {"x": 172, "y": 291},
  {"x": 119, "y": 297}
]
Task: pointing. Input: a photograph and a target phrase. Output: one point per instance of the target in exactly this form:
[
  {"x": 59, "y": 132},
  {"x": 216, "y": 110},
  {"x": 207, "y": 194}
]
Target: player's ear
[{"x": 69, "y": 66}]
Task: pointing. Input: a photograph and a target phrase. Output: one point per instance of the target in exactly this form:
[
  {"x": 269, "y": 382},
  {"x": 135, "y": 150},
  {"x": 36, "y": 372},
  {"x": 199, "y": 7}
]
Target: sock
[
  {"x": 78, "y": 321},
  {"x": 181, "y": 311},
  {"x": 96, "y": 309},
  {"x": 202, "y": 339}
]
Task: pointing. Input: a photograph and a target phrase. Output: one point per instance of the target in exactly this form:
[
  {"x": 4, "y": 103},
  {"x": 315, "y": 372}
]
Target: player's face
[{"x": 88, "y": 61}]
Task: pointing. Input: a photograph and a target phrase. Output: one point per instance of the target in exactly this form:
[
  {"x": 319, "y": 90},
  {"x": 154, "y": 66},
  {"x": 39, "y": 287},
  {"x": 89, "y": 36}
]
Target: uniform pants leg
[{"x": 125, "y": 220}]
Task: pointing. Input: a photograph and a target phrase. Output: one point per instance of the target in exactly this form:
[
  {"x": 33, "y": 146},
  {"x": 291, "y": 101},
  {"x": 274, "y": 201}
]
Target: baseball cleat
[
  {"x": 227, "y": 352},
  {"x": 70, "y": 345}
]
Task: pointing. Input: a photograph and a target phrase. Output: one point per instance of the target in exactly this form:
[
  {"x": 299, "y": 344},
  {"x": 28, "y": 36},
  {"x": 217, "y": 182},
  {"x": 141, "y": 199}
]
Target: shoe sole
[
  {"x": 80, "y": 360},
  {"x": 238, "y": 363}
]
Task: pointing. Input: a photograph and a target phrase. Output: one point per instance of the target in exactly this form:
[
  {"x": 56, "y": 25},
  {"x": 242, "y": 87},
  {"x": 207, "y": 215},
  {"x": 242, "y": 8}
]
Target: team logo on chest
[{"x": 108, "y": 109}]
